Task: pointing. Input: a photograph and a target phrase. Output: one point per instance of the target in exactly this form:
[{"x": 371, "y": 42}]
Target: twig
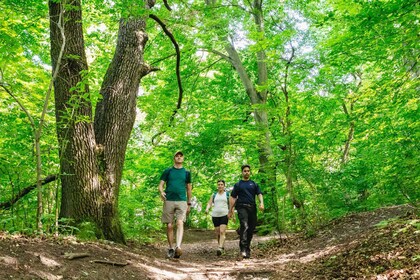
[
  {"x": 72, "y": 256},
  {"x": 111, "y": 262}
]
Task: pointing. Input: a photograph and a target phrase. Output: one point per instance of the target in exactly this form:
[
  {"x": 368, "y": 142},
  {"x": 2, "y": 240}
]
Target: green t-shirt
[{"x": 176, "y": 183}]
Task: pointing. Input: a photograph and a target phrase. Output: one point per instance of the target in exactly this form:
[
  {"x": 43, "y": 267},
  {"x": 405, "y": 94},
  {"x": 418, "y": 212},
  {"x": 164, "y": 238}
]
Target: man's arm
[
  {"x": 161, "y": 192},
  {"x": 260, "y": 198},
  {"x": 232, "y": 202}
]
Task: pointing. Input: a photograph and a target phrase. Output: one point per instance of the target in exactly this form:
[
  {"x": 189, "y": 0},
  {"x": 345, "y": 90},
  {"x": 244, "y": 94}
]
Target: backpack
[{"x": 227, "y": 197}]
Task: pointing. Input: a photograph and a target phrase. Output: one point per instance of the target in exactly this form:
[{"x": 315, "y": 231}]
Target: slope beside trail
[{"x": 353, "y": 247}]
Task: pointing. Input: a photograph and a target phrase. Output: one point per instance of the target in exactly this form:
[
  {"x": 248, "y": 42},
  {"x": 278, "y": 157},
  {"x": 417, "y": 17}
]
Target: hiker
[
  {"x": 220, "y": 200},
  {"x": 176, "y": 202},
  {"x": 242, "y": 198}
]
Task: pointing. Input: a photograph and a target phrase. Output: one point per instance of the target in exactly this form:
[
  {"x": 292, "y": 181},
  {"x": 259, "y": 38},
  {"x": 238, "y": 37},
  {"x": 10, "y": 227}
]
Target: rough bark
[
  {"x": 92, "y": 153},
  {"x": 115, "y": 115}
]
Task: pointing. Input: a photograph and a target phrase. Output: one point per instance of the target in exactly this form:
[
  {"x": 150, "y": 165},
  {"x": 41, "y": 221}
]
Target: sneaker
[
  {"x": 171, "y": 253},
  {"x": 219, "y": 251},
  {"x": 243, "y": 254},
  {"x": 247, "y": 253},
  {"x": 178, "y": 253}
]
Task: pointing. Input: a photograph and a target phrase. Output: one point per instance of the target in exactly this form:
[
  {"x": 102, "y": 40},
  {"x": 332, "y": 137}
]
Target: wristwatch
[{"x": 189, "y": 203}]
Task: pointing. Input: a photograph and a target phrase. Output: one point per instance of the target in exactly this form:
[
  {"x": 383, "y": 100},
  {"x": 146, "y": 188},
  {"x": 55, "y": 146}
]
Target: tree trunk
[
  {"x": 115, "y": 116},
  {"x": 267, "y": 166},
  {"x": 92, "y": 153},
  {"x": 346, "y": 151}
]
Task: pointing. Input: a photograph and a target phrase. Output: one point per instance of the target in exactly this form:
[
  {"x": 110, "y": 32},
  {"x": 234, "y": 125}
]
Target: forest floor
[{"x": 383, "y": 244}]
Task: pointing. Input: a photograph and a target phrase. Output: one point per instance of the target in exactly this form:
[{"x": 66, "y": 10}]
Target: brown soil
[{"x": 348, "y": 248}]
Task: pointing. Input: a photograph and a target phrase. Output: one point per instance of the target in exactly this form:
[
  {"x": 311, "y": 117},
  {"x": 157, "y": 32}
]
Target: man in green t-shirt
[{"x": 176, "y": 202}]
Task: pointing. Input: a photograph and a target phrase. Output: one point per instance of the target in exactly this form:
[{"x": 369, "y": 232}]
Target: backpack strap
[{"x": 227, "y": 197}]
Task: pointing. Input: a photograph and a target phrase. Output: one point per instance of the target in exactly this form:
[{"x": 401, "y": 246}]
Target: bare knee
[
  {"x": 179, "y": 224},
  {"x": 169, "y": 226}
]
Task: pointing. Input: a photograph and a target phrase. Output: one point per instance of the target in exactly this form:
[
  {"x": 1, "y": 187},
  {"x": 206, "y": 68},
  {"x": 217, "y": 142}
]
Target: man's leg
[
  {"x": 252, "y": 223},
  {"x": 181, "y": 216},
  {"x": 243, "y": 233},
  {"x": 167, "y": 218},
  {"x": 170, "y": 234},
  {"x": 179, "y": 232}
]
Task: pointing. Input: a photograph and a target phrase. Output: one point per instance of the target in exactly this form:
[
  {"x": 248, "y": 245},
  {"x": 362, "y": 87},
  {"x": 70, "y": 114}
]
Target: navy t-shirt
[{"x": 245, "y": 192}]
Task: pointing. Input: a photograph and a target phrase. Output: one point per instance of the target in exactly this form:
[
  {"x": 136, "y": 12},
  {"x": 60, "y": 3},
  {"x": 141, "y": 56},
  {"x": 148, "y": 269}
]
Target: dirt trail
[{"x": 286, "y": 258}]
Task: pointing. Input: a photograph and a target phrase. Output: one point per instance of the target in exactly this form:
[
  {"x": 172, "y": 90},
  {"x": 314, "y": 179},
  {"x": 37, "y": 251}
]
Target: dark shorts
[{"x": 217, "y": 221}]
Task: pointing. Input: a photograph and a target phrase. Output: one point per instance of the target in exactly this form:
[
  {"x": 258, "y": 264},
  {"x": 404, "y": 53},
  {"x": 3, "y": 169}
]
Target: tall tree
[
  {"x": 257, "y": 90},
  {"x": 92, "y": 152}
]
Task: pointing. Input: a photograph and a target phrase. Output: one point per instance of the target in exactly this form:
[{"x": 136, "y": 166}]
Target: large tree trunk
[
  {"x": 115, "y": 115},
  {"x": 92, "y": 153}
]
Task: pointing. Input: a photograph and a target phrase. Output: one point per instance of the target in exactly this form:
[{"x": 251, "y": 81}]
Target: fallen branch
[
  {"x": 111, "y": 262},
  {"x": 72, "y": 256}
]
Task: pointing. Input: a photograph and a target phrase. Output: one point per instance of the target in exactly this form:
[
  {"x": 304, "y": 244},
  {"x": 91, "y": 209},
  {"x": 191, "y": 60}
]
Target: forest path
[
  {"x": 199, "y": 260},
  {"x": 346, "y": 247}
]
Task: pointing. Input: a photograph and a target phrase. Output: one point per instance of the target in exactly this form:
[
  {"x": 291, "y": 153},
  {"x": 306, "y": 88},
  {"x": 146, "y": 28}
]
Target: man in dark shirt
[{"x": 243, "y": 198}]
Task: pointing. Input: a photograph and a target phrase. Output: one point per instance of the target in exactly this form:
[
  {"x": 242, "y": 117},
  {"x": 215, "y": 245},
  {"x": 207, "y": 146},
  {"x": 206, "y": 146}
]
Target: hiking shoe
[
  {"x": 178, "y": 253},
  {"x": 171, "y": 253},
  {"x": 247, "y": 254},
  {"x": 219, "y": 251}
]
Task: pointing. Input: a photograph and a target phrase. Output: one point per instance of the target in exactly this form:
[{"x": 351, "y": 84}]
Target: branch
[
  {"x": 72, "y": 256},
  {"x": 146, "y": 68},
  {"x": 165, "y": 2},
  {"x": 163, "y": 58},
  {"x": 25, "y": 191},
  {"x": 286, "y": 75},
  {"x": 178, "y": 62},
  {"x": 31, "y": 120},
  {"x": 156, "y": 136},
  {"x": 111, "y": 262},
  {"x": 225, "y": 57}
]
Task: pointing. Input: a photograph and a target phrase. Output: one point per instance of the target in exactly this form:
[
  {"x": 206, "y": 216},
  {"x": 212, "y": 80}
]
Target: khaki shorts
[{"x": 171, "y": 209}]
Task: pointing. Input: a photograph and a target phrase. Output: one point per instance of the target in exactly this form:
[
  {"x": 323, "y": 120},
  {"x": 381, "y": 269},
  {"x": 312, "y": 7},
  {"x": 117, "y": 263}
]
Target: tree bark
[
  {"x": 346, "y": 151},
  {"x": 92, "y": 153},
  {"x": 115, "y": 116}
]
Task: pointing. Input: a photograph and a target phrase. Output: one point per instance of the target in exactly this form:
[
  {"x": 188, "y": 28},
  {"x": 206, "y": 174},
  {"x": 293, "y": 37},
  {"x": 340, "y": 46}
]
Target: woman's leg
[
  {"x": 217, "y": 231},
  {"x": 222, "y": 236}
]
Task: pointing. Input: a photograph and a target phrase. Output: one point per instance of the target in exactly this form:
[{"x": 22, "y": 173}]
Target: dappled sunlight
[
  {"x": 45, "y": 275},
  {"x": 318, "y": 254},
  {"x": 331, "y": 253},
  {"x": 47, "y": 261}
]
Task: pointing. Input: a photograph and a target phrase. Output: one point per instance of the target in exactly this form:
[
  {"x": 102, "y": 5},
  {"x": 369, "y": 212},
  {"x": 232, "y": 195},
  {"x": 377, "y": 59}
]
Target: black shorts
[{"x": 217, "y": 221}]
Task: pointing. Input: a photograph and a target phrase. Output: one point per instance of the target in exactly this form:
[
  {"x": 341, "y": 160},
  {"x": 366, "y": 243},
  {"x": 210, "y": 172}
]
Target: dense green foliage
[{"x": 350, "y": 69}]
